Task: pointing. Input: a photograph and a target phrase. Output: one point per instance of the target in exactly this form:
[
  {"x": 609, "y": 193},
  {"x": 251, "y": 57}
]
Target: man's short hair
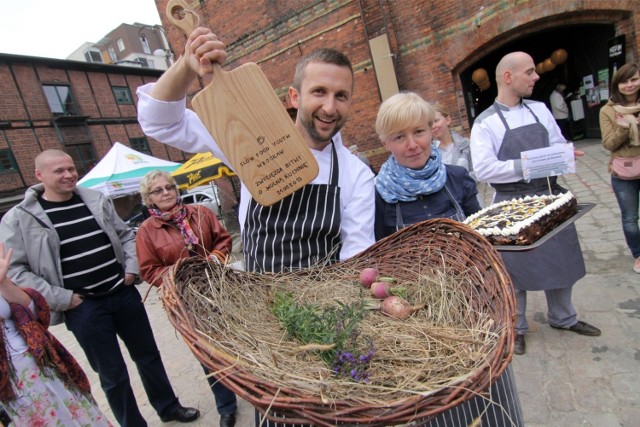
[
  {"x": 47, "y": 154},
  {"x": 328, "y": 56}
]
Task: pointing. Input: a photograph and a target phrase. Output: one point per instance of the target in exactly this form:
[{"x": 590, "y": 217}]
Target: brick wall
[
  {"x": 433, "y": 41},
  {"x": 26, "y": 117}
]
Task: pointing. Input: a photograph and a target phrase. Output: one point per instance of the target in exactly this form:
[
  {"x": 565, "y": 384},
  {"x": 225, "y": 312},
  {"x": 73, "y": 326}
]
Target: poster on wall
[
  {"x": 587, "y": 81},
  {"x": 616, "y": 55},
  {"x": 603, "y": 84},
  {"x": 592, "y": 91},
  {"x": 577, "y": 111}
]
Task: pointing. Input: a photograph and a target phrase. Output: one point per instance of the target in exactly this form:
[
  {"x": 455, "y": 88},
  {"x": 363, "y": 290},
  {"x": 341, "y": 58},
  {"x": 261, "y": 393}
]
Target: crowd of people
[{"x": 75, "y": 261}]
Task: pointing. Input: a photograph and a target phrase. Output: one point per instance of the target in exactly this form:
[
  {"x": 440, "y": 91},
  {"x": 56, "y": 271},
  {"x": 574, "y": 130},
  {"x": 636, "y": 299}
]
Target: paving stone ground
[{"x": 564, "y": 379}]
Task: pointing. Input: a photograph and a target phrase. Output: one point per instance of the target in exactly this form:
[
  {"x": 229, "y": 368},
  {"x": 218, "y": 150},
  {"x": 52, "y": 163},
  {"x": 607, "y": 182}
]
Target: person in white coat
[
  {"x": 560, "y": 109},
  {"x": 329, "y": 219},
  {"x": 499, "y": 135}
]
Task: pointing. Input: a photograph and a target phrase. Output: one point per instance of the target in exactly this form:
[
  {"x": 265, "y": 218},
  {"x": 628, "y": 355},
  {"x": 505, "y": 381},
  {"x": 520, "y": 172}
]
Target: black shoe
[
  {"x": 582, "y": 328},
  {"x": 228, "y": 420},
  {"x": 519, "y": 346},
  {"x": 182, "y": 414}
]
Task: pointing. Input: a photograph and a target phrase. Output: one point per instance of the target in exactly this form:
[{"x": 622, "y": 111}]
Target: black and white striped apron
[
  {"x": 500, "y": 407},
  {"x": 301, "y": 230}
]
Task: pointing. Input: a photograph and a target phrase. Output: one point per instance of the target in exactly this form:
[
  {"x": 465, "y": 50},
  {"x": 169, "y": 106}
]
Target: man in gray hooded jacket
[{"x": 70, "y": 245}]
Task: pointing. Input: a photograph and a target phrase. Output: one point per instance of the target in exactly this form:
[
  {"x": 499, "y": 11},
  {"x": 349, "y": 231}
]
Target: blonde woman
[
  {"x": 174, "y": 231},
  {"x": 414, "y": 185}
]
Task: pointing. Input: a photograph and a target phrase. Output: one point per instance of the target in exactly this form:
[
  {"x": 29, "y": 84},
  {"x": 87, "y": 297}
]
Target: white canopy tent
[{"x": 120, "y": 171}]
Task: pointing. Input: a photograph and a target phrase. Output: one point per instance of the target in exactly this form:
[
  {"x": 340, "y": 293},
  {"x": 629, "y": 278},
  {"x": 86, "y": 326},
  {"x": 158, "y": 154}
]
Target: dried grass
[
  {"x": 439, "y": 345},
  {"x": 460, "y": 340}
]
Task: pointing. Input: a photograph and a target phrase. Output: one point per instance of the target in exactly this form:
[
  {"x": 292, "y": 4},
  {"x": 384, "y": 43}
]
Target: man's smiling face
[{"x": 323, "y": 102}]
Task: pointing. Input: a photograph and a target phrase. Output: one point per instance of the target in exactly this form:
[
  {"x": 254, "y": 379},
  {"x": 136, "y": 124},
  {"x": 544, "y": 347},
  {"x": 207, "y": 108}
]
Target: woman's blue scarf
[{"x": 398, "y": 183}]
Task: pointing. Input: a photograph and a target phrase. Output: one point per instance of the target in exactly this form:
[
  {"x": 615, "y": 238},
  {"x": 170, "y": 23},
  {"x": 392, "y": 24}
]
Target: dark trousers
[
  {"x": 565, "y": 128},
  {"x": 225, "y": 399},
  {"x": 97, "y": 324}
]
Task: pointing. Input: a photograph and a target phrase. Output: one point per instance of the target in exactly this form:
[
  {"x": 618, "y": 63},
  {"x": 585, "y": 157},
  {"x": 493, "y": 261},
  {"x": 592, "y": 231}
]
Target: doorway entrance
[{"x": 586, "y": 46}]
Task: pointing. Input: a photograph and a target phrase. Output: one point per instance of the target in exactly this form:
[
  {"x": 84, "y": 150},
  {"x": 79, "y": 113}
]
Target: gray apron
[
  {"x": 458, "y": 216},
  {"x": 298, "y": 231},
  {"x": 558, "y": 263}
]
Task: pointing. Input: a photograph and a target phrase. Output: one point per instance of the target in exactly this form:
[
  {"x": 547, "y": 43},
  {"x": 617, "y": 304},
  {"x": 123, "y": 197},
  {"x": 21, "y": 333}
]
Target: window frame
[
  {"x": 144, "y": 148},
  {"x": 67, "y": 107},
  {"x": 127, "y": 99},
  {"x": 84, "y": 157},
  {"x": 11, "y": 159}
]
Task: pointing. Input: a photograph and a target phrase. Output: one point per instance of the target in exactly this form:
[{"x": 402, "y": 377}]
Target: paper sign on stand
[{"x": 550, "y": 161}]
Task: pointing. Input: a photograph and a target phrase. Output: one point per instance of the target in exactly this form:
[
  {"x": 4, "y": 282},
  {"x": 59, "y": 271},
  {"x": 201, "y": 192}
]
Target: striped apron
[
  {"x": 297, "y": 232},
  {"x": 301, "y": 230}
]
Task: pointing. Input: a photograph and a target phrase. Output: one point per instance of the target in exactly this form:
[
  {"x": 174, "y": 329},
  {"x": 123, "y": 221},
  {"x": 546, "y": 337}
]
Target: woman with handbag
[{"x": 619, "y": 126}]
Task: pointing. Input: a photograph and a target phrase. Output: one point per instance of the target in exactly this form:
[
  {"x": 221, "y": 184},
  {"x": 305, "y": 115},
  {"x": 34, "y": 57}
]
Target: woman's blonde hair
[
  {"x": 403, "y": 110},
  {"x": 441, "y": 109},
  {"x": 147, "y": 181}
]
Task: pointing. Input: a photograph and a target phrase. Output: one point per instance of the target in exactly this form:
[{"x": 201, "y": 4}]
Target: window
[
  {"x": 83, "y": 157},
  {"x": 145, "y": 44},
  {"x": 120, "y": 44},
  {"x": 112, "y": 55},
  {"x": 122, "y": 94},
  {"x": 141, "y": 145},
  {"x": 143, "y": 62},
  {"x": 92, "y": 56},
  {"x": 60, "y": 100},
  {"x": 7, "y": 162}
]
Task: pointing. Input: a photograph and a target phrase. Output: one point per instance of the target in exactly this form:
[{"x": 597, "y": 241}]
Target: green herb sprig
[{"x": 337, "y": 325}]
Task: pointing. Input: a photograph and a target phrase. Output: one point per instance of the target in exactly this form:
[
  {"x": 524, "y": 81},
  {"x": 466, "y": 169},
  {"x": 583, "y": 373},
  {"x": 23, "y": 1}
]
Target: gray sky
[{"x": 56, "y": 28}]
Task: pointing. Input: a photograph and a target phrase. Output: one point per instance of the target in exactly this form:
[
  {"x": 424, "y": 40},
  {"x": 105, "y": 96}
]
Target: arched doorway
[{"x": 586, "y": 45}]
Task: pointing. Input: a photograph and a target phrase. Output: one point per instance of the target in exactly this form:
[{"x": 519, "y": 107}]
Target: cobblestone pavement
[{"x": 564, "y": 379}]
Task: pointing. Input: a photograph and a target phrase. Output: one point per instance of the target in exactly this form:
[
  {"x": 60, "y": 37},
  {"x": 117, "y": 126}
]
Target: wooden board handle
[{"x": 182, "y": 17}]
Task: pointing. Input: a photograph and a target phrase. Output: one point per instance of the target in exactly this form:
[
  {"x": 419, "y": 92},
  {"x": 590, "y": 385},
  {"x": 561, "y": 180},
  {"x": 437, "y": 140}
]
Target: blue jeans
[
  {"x": 628, "y": 194},
  {"x": 97, "y": 324},
  {"x": 225, "y": 398}
]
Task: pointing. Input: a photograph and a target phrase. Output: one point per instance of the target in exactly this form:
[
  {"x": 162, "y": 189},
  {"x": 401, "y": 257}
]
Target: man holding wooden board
[{"x": 329, "y": 219}]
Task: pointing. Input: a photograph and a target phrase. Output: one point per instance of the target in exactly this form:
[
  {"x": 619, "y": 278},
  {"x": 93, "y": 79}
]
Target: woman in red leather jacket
[{"x": 174, "y": 231}]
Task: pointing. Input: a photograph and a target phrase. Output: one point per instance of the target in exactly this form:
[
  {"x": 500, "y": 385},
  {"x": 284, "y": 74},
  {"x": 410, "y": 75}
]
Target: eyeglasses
[{"x": 168, "y": 188}]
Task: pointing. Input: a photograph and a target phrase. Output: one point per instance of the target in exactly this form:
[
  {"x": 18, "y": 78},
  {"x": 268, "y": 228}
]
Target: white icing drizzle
[{"x": 517, "y": 227}]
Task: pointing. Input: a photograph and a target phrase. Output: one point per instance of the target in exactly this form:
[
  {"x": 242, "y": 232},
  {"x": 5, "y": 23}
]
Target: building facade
[
  {"x": 430, "y": 47},
  {"x": 136, "y": 45},
  {"x": 81, "y": 108}
]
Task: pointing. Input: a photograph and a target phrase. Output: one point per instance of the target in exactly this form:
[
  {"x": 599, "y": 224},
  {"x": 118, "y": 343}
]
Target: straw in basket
[{"x": 224, "y": 317}]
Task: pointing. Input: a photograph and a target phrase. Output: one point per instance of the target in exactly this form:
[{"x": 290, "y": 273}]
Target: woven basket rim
[{"x": 303, "y": 408}]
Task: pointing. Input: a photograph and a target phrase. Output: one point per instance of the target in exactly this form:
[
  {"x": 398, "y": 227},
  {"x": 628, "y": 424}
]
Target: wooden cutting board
[{"x": 251, "y": 126}]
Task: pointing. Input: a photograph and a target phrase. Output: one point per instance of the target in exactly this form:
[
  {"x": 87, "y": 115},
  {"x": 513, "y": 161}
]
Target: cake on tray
[{"x": 523, "y": 221}]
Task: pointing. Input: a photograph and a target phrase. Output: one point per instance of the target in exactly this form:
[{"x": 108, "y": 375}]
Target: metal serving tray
[{"x": 583, "y": 208}]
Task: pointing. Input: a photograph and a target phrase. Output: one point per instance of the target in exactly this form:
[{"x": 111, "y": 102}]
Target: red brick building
[
  {"x": 80, "y": 107},
  {"x": 430, "y": 47}
]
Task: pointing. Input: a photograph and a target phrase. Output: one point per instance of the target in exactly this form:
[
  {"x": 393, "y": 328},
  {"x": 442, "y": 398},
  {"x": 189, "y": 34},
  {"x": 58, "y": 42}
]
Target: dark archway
[{"x": 586, "y": 46}]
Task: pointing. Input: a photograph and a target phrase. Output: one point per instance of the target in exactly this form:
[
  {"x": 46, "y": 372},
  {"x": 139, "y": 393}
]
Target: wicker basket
[{"x": 428, "y": 242}]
